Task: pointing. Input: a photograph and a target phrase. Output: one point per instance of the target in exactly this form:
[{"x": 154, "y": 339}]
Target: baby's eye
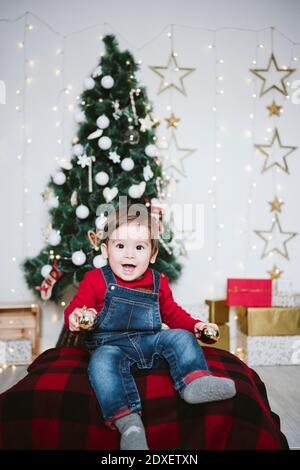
[
  {"x": 120, "y": 245},
  {"x": 140, "y": 247}
]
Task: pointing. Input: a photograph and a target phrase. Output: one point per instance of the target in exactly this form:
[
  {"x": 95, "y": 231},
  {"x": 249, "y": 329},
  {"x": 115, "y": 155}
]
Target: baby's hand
[
  {"x": 199, "y": 327},
  {"x": 74, "y": 324}
]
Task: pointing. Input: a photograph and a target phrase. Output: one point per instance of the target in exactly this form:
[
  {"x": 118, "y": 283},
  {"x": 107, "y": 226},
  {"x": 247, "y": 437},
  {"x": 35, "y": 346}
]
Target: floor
[{"x": 282, "y": 383}]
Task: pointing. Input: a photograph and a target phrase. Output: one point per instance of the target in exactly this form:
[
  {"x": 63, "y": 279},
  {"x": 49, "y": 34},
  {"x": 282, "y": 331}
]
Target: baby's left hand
[{"x": 200, "y": 327}]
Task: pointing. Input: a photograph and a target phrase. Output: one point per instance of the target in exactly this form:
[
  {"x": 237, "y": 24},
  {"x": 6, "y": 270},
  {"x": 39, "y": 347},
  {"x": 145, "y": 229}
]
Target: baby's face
[{"x": 129, "y": 251}]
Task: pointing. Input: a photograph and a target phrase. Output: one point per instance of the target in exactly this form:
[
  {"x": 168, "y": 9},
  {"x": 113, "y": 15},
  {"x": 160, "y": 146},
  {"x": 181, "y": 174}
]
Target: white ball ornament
[
  {"x": 103, "y": 121},
  {"x": 52, "y": 202},
  {"x": 54, "y": 238},
  {"x": 78, "y": 258},
  {"x": 127, "y": 164},
  {"x": 104, "y": 143},
  {"x": 45, "y": 271},
  {"x": 59, "y": 178},
  {"x": 107, "y": 82},
  {"x": 78, "y": 150},
  {"x": 99, "y": 261},
  {"x": 101, "y": 178},
  {"x": 82, "y": 211},
  {"x": 79, "y": 116},
  {"x": 137, "y": 190},
  {"x": 100, "y": 222},
  {"x": 151, "y": 150},
  {"x": 89, "y": 83}
]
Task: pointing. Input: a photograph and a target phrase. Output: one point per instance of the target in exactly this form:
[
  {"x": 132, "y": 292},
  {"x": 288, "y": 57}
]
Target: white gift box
[
  {"x": 198, "y": 312},
  {"x": 282, "y": 293},
  {"x": 268, "y": 350},
  {"x": 16, "y": 352}
]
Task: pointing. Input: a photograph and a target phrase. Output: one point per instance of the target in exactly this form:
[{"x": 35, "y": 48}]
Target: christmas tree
[{"x": 113, "y": 155}]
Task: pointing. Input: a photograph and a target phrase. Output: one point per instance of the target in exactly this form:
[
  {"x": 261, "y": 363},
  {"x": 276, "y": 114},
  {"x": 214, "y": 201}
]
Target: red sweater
[{"x": 92, "y": 291}]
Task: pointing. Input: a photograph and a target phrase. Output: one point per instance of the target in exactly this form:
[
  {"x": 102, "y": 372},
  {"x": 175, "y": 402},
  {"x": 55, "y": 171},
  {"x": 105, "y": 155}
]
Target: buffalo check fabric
[{"x": 54, "y": 407}]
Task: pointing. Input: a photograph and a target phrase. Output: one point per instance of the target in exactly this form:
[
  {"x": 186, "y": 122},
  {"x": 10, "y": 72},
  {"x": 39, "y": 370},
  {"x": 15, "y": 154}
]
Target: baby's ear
[
  {"x": 153, "y": 257},
  {"x": 104, "y": 250}
]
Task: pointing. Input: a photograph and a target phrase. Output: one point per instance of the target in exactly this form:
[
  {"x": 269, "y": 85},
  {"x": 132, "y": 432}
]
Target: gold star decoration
[
  {"x": 276, "y": 205},
  {"x": 170, "y": 151},
  {"x": 275, "y": 272},
  {"x": 46, "y": 194},
  {"x": 277, "y": 154},
  {"x": 172, "y": 75},
  {"x": 172, "y": 121},
  {"x": 271, "y": 77},
  {"x": 271, "y": 236},
  {"x": 274, "y": 109}
]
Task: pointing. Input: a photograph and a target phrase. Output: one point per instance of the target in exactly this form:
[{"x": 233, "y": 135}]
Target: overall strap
[
  {"x": 156, "y": 280},
  {"x": 108, "y": 275}
]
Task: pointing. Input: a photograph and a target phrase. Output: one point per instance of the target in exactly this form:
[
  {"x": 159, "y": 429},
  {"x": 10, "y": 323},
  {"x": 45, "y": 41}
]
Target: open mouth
[{"x": 128, "y": 268}]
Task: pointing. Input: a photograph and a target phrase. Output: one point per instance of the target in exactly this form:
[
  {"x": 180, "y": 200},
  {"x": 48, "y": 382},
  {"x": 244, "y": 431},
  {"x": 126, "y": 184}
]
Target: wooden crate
[{"x": 21, "y": 321}]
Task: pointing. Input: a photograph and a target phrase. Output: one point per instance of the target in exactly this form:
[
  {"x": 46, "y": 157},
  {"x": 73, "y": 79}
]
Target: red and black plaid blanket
[{"x": 54, "y": 407}]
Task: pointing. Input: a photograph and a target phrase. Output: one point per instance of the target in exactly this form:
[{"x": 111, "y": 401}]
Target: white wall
[{"x": 142, "y": 27}]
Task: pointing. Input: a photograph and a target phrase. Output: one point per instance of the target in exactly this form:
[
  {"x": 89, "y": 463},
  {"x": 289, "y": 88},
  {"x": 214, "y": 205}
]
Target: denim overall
[{"x": 128, "y": 333}]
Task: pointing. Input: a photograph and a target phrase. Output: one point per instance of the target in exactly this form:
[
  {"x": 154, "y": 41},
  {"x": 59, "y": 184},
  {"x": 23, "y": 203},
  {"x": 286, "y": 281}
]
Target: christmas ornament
[
  {"x": 276, "y": 205},
  {"x": 46, "y": 194},
  {"x": 47, "y": 285},
  {"x": 268, "y": 77},
  {"x": 173, "y": 151},
  {"x": 78, "y": 150},
  {"x": 54, "y": 238},
  {"x": 165, "y": 246},
  {"x": 147, "y": 173},
  {"x": 274, "y": 109},
  {"x": 110, "y": 193},
  {"x": 172, "y": 121},
  {"x": 151, "y": 150},
  {"x": 100, "y": 222},
  {"x": 209, "y": 335},
  {"x": 73, "y": 199},
  {"x": 275, "y": 272},
  {"x": 45, "y": 271},
  {"x": 172, "y": 75},
  {"x": 89, "y": 83},
  {"x": 53, "y": 202},
  {"x": 82, "y": 211},
  {"x": 146, "y": 123},
  {"x": 117, "y": 112},
  {"x": 59, "y": 178},
  {"x": 131, "y": 95},
  {"x": 65, "y": 164},
  {"x": 84, "y": 161},
  {"x": 95, "y": 238},
  {"x": 272, "y": 236},
  {"x": 99, "y": 261},
  {"x": 114, "y": 157},
  {"x": 103, "y": 121},
  {"x": 101, "y": 178},
  {"x": 107, "y": 82},
  {"x": 78, "y": 258},
  {"x": 97, "y": 72},
  {"x": 137, "y": 190},
  {"x": 104, "y": 143},
  {"x": 127, "y": 164},
  {"x": 96, "y": 134},
  {"x": 87, "y": 319},
  {"x": 277, "y": 154},
  {"x": 131, "y": 136},
  {"x": 79, "y": 117}
]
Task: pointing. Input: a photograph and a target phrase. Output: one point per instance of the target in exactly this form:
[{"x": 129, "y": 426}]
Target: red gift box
[{"x": 249, "y": 292}]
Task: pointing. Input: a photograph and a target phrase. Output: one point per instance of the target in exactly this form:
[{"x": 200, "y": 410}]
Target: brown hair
[{"x": 128, "y": 214}]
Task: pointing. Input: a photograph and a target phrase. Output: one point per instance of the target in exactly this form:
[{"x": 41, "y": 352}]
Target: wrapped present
[
  {"x": 268, "y": 350},
  {"x": 282, "y": 293},
  {"x": 223, "y": 342},
  {"x": 249, "y": 292},
  {"x": 16, "y": 352},
  {"x": 218, "y": 311},
  {"x": 273, "y": 321},
  {"x": 198, "y": 312}
]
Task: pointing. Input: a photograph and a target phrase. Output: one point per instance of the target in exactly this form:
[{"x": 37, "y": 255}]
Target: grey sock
[
  {"x": 208, "y": 388},
  {"x": 132, "y": 431}
]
